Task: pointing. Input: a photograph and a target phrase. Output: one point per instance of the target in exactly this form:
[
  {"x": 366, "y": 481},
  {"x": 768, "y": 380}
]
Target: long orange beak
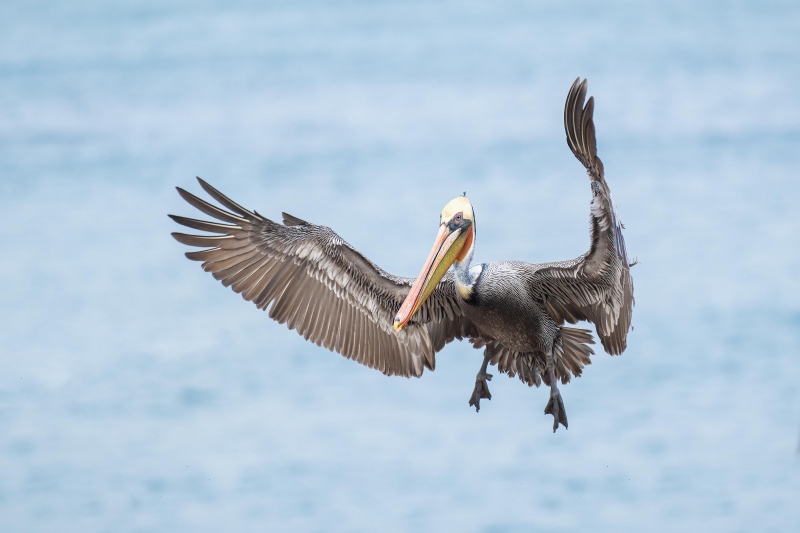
[{"x": 444, "y": 252}]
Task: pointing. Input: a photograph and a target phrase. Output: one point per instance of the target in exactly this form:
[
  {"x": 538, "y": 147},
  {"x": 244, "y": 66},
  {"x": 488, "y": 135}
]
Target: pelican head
[{"x": 453, "y": 245}]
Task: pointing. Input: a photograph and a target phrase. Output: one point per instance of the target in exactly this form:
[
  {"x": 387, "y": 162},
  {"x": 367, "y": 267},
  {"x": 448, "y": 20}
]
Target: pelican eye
[{"x": 458, "y": 217}]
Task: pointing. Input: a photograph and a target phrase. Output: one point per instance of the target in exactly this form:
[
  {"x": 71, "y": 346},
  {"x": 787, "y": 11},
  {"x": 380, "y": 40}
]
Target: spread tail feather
[{"x": 572, "y": 353}]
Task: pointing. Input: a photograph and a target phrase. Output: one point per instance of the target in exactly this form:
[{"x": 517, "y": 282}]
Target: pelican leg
[
  {"x": 481, "y": 385},
  {"x": 555, "y": 406}
]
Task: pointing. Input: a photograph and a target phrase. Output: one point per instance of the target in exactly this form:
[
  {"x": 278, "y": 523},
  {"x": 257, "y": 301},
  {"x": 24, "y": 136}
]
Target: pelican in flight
[{"x": 314, "y": 282}]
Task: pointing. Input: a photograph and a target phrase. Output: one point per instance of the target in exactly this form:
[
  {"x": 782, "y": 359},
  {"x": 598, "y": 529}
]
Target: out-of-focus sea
[{"x": 138, "y": 394}]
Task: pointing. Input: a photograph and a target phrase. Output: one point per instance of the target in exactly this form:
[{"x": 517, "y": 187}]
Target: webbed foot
[
  {"x": 481, "y": 390},
  {"x": 555, "y": 407}
]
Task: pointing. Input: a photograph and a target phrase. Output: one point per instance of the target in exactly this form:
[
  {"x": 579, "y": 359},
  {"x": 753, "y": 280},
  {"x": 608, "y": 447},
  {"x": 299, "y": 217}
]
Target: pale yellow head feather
[{"x": 457, "y": 205}]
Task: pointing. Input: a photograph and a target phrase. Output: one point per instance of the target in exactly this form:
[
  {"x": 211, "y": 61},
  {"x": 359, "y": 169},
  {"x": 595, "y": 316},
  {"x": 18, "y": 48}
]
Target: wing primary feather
[
  {"x": 569, "y": 122},
  {"x": 336, "y": 327},
  {"x": 358, "y": 346},
  {"x": 224, "y": 275},
  {"x": 243, "y": 279},
  {"x": 307, "y": 324},
  {"x": 261, "y": 291},
  {"x": 318, "y": 304},
  {"x": 300, "y": 303},
  {"x": 283, "y": 297},
  {"x": 327, "y": 323},
  {"x": 223, "y": 264},
  {"x": 295, "y": 305},
  {"x": 201, "y": 255},
  {"x": 203, "y": 240},
  {"x": 211, "y": 210},
  {"x": 383, "y": 353},
  {"x": 345, "y": 331},
  {"x": 348, "y": 331},
  {"x": 203, "y": 225},
  {"x": 283, "y": 303},
  {"x": 224, "y": 200},
  {"x": 589, "y": 140},
  {"x": 277, "y": 284},
  {"x": 215, "y": 254},
  {"x": 331, "y": 321}
]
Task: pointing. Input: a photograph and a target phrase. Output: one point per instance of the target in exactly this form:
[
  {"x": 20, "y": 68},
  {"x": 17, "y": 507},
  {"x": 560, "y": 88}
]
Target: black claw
[{"x": 476, "y": 403}]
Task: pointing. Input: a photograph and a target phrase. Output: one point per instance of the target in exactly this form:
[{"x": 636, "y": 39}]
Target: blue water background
[{"x": 138, "y": 394}]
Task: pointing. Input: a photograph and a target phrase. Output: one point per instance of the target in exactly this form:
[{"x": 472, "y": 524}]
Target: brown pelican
[{"x": 315, "y": 283}]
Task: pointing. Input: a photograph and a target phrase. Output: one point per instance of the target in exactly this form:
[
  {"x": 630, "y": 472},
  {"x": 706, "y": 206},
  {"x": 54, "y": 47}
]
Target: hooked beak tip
[{"x": 397, "y": 325}]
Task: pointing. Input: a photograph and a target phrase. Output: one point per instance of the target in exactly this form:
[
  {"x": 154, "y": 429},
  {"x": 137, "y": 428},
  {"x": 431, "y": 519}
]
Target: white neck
[{"x": 466, "y": 277}]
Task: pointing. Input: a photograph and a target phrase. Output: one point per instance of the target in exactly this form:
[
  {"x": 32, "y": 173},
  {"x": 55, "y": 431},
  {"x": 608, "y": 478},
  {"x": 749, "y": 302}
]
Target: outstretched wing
[
  {"x": 596, "y": 286},
  {"x": 315, "y": 283}
]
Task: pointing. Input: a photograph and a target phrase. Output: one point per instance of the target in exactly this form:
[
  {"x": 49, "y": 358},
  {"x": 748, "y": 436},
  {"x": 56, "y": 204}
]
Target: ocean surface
[{"x": 138, "y": 394}]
